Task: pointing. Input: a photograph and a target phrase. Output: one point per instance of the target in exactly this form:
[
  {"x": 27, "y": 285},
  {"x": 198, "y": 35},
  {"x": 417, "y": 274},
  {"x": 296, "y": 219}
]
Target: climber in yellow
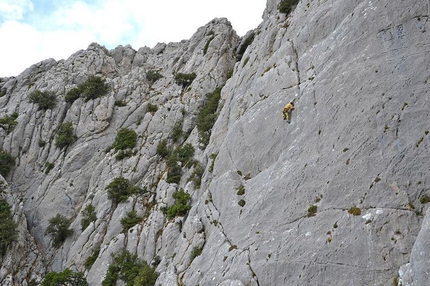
[{"x": 286, "y": 112}]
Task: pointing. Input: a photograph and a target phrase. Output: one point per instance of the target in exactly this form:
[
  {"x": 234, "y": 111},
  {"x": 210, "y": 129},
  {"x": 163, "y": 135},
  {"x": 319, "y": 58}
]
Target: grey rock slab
[{"x": 358, "y": 137}]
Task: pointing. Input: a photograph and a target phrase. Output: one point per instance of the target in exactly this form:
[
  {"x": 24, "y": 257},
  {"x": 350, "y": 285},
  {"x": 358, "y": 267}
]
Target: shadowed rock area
[{"x": 337, "y": 197}]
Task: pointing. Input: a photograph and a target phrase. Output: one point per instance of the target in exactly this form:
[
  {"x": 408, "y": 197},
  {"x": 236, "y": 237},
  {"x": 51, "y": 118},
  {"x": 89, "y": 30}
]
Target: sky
[{"x": 35, "y": 30}]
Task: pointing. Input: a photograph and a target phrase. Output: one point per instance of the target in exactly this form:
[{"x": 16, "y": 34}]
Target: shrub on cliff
[
  {"x": 65, "y": 135},
  {"x": 45, "y": 100},
  {"x": 125, "y": 138},
  {"x": 207, "y": 116},
  {"x": 8, "y": 122},
  {"x": 58, "y": 228},
  {"x": 286, "y": 6},
  {"x": 66, "y": 277},
  {"x": 196, "y": 176},
  {"x": 120, "y": 189},
  {"x": 92, "y": 88},
  {"x": 181, "y": 205},
  {"x": 153, "y": 75},
  {"x": 131, "y": 270},
  {"x": 89, "y": 216},
  {"x": 248, "y": 41},
  {"x": 152, "y": 108},
  {"x": 7, "y": 162},
  {"x": 73, "y": 94},
  {"x": 181, "y": 155},
  {"x": 130, "y": 220},
  {"x": 8, "y": 233},
  {"x": 162, "y": 149},
  {"x": 184, "y": 79}
]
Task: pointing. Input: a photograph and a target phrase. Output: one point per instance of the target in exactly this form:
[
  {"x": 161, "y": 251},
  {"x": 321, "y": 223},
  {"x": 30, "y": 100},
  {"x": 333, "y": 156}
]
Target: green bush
[
  {"x": 162, "y": 149},
  {"x": 176, "y": 132},
  {"x": 125, "y": 138},
  {"x": 73, "y": 94},
  {"x": 120, "y": 189},
  {"x": 424, "y": 199},
  {"x": 230, "y": 73},
  {"x": 48, "y": 167},
  {"x": 213, "y": 157},
  {"x": 65, "y": 135},
  {"x": 181, "y": 205},
  {"x": 45, "y": 100},
  {"x": 3, "y": 92},
  {"x": 130, "y": 220},
  {"x": 196, "y": 252},
  {"x": 182, "y": 154},
  {"x": 207, "y": 116},
  {"x": 7, "y": 162},
  {"x": 248, "y": 41},
  {"x": 91, "y": 259},
  {"x": 9, "y": 122},
  {"x": 152, "y": 108},
  {"x": 205, "y": 50},
  {"x": 312, "y": 210},
  {"x": 124, "y": 154},
  {"x": 146, "y": 276},
  {"x": 241, "y": 203},
  {"x": 66, "y": 277},
  {"x": 88, "y": 216},
  {"x": 184, "y": 79},
  {"x": 120, "y": 103},
  {"x": 131, "y": 270},
  {"x": 241, "y": 190},
  {"x": 2, "y": 186},
  {"x": 8, "y": 233},
  {"x": 286, "y": 6},
  {"x": 153, "y": 75},
  {"x": 58, "y": 228},
  {"x": 174, "y": 172},
  {"x": 354, "y": 211},
  {"x": 196, "y": 176},
  {"x": 92, "y": 88}
]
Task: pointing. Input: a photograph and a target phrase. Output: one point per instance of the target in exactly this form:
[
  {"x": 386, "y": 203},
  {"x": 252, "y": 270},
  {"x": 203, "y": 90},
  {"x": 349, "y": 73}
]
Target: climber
[{"x": 286, "y": 112}]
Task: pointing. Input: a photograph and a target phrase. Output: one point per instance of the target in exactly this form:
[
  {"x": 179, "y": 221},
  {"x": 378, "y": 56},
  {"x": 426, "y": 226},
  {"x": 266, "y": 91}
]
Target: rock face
[{"x": 337, "y": 197}]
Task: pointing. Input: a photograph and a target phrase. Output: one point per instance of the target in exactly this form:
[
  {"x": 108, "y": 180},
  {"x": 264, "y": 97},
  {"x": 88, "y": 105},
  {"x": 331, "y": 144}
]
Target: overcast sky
[{"x": 35, "y": 30}]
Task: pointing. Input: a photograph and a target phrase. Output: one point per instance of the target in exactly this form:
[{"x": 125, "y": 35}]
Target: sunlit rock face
[{"x": 336, "y": 197}]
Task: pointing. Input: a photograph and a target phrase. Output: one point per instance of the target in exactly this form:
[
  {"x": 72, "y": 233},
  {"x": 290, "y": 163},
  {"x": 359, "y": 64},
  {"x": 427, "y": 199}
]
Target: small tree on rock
[
  {"x": 8, "y": 233},
  {"x": 120, "y": 189},
  {"x": 181, "y": 205},
  {"x": 7, "y": 162},
  {"x": 45, "y": 100},
  {"x": 8, "y": 122},
  {"x": 125, "y": 138},
  {"x": 58, "y": 228},
  {"x": 65, "y": 135},
  {"x": 66, "y": 277},
  {"x": 93, "y": 88},
  {"x": 89, "y": 215},
  {"x": 184, "y": 79}
]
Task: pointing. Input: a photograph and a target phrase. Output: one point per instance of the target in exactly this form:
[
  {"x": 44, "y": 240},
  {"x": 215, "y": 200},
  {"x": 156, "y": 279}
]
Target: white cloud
[
  {"x": 73, "y": 25},
  {"x": 30, "y": 46},
  {"x": 14, "y": 9}
]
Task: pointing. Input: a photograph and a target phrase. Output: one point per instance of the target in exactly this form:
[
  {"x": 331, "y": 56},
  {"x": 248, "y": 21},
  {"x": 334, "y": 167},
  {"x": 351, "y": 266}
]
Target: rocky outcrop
[{"x": 337, "y": 197}]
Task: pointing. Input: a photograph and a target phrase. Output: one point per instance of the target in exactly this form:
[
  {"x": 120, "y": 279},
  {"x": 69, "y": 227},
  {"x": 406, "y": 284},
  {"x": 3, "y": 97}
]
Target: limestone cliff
[{"x": 337, "y": 197}]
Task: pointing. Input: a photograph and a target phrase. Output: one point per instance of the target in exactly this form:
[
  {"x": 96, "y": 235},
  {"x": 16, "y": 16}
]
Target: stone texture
[{"x": 359, "y": 137}]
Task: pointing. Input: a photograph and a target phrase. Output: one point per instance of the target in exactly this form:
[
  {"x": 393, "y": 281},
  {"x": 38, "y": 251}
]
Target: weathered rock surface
[{"x": 359, "y": 138}]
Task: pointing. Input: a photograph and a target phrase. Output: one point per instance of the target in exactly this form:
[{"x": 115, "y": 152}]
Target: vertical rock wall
[{"x": 337, "y": 197}]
